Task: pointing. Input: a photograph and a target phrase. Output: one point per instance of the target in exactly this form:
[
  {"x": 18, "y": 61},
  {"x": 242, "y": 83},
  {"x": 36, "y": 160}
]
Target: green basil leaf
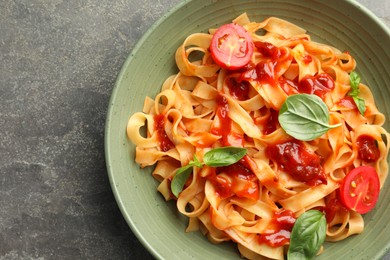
[
  {"x": 361, "y": 105},
  {"x": 307, "y": 235},
  {"x": 354, "y": 81},
  {"x": 180, "y": 179},
  {"x": 217, "y": 157},
  {"x": 196, "y": 162},
  {"x": 223, "y": 156},
  {"x": 305, "y": 117}
]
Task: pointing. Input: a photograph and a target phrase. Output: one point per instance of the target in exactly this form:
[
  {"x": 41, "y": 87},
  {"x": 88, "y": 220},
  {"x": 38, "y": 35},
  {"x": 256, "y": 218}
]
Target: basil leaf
[
  {"x": 196, "y": 162},
  {"x": 305, "y": 117},
  {"x": 354, "y": 81},
  {"x": 180, "y": 179},
  {"x": 361, "y": 105},
  {"x": 217, "y": 157},
  {"x": 223, "y": 156},
  {"x": 307, "y": 235}
]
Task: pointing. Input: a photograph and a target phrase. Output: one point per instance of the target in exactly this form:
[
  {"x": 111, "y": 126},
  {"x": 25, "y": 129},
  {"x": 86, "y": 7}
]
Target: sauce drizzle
[
  {"x": 281, "y": 226},
  {"x": 229, "y": 138},
  {"x": 235, "y": 179},
  {"x": 318, "y": 85},
  {"x": 368, "y": 148},
  {"x": 302, "y": 164},
  {"x": 165, "y": 143}
]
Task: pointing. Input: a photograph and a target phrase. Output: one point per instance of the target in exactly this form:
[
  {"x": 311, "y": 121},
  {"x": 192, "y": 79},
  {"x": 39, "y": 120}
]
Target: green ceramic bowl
[{"x": 161, "y": 229}]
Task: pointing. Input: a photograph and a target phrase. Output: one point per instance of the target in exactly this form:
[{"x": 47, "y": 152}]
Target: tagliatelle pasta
[{"x": 205, "y": 106}]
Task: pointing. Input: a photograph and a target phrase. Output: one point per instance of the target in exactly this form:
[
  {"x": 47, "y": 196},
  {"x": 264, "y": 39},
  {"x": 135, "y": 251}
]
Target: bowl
[{"x": 156, "y": 223}]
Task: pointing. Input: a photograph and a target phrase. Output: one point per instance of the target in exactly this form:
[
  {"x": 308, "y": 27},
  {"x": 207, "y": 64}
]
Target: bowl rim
[
  {"x": 107, "y": 142},
  {"x": 373, "y": 16}
]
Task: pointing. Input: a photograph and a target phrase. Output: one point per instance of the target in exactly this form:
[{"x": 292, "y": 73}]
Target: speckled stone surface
[{"x": 58, "y": 63}]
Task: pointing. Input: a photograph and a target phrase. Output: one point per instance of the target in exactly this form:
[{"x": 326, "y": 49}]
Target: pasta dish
[{"x": 265, "y": 138}]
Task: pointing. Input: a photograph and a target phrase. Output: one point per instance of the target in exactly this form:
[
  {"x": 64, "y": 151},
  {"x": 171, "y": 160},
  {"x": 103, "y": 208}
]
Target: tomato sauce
[
  {"x": 318, "y": 85},
  {"x": 225, "y": 122},
  {"x": 266, "y": 48},
  {"x": 272, "y": 122},
  {"x": 239, "y": 89},
  {"x": 368, "y": 148},
  {"x": 264, "y": 71},
  {"x": 235, "y": 179},
  {"x": 290, "y": 87},
  {"x": 348, "y": 102},
  {"x": 165, "y": 143},
  {"x": 332, "y": 207},
  {"x": 229, "y": 138},
  {"x": 302, "y": 164},
  {"x": 222, "y": 186},
  {"x": 307, "y": 59},
  {"x": 281, "y": 224}
]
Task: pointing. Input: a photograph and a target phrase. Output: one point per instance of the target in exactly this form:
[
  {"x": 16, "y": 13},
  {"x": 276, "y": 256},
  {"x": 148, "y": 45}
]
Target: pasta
[{"x": 205, "y": 106}]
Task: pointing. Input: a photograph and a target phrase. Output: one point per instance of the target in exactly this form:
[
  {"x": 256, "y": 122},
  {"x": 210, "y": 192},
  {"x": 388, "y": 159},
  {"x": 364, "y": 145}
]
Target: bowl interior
[{"x": 156, "y": 223}]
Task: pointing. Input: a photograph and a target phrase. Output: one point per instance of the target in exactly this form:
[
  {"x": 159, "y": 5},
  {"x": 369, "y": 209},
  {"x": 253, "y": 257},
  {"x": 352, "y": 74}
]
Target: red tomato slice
[
  {"x": 231, "y": 46},
  {"x": 359, "y": 190}
]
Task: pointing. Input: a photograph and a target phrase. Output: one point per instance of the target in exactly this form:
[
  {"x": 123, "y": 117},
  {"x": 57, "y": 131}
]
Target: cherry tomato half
[
  {"x": 360, "y": 189},
  {"x": 231, "y": 46}
]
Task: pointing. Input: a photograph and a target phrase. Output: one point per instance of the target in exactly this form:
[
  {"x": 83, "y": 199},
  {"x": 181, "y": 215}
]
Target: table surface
[{"x": 58, "y": 64}]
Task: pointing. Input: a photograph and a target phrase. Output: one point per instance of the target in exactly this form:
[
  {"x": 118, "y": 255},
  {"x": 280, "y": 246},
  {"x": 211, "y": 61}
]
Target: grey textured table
[{"x": 58, "y": 63}]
